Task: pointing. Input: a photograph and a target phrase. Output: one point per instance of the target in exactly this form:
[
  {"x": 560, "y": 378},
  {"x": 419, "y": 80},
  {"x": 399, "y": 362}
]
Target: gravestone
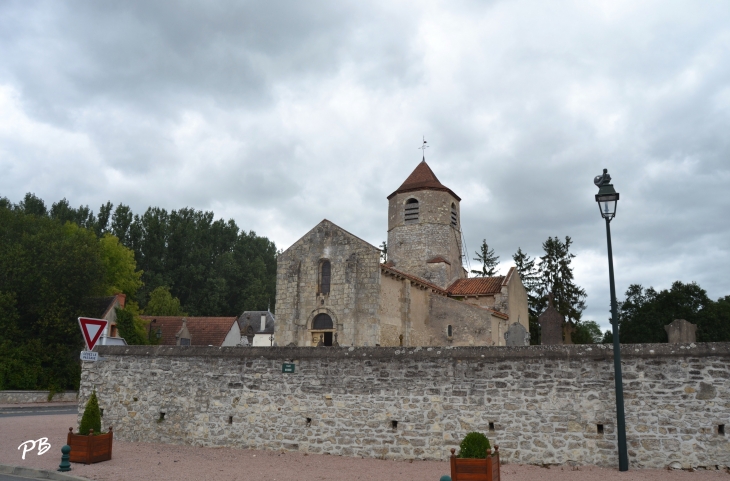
[
  {"x": 551, "y": 324},
  {"x": 568, "y": 330},
  {"x": 681, "y": 331},
  {"x": 517, "y": 335}
]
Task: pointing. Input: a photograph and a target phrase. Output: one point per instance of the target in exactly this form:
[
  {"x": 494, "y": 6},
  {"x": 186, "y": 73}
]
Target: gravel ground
[{"x": 151, "y": 462}]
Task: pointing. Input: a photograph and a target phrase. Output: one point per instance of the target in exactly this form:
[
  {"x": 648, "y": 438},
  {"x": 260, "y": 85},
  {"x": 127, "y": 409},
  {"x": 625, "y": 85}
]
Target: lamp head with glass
[{"x": 606, "y": 197}]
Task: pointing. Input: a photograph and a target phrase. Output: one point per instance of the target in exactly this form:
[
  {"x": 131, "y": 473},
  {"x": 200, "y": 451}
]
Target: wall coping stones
[{"x": 552, "y": 352}]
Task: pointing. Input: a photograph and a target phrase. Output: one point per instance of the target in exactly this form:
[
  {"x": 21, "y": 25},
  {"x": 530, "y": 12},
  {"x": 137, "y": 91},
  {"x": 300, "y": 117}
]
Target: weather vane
[{"x": 423, "y": 147}]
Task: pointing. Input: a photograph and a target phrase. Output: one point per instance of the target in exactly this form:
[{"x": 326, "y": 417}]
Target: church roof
[
  {"x": 476, "y": 286},
  {"x": 480, "y": 286},
  {"x": 422, "y": 178},
  {"x": 419, "y": 281}
]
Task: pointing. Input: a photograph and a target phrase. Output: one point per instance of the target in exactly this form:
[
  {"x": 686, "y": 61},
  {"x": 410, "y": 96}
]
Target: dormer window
[
  {"x": 411, "y": 211},
  {"x": 454, "y": 218},
  {"x": 324, "y": 277}
]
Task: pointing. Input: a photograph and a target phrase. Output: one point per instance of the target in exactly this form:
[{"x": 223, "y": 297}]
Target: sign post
[{"x": 91, "y": 330}]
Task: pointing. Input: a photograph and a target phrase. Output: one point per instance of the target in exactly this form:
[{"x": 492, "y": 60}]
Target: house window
[
  {"x": 449, "y": 331},
  {"x": 324, "y": 277},
  {"x": 184, "y": 341},
  {"x": 454, "y": 219},
  {"x": 322, "y": 321},
  {"x": 411, "y": 212}
]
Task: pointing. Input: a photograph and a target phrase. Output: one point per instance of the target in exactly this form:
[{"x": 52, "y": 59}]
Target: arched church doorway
[{"x": 322, "y": 330}]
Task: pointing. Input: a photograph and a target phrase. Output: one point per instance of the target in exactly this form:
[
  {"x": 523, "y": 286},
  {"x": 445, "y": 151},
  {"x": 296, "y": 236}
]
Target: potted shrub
[
  {"x": 90, "y": 445},
  {"x": 475, "y": 461}
]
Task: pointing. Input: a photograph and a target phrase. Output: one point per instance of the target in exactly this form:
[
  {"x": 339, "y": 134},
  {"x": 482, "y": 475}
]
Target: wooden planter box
[
  {"x": 475, "y": 469},
  {"x": 90, "y": 449}
]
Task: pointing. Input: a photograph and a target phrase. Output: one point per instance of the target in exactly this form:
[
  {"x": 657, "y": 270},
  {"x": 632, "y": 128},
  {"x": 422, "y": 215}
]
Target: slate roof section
[
  {"x": 422, "y": 178},
  {"x": 204, "y": 331},
  {"x": 253, "y": 319},
  {"x": 416, "y": 279}
]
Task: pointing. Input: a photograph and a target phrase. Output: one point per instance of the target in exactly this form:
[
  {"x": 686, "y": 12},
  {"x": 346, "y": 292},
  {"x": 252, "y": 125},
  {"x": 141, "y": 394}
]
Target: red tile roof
[
  {"x": 204, "y": 331},
  {"x": 422, "y": 178},
  {"x": 476, "y": 286}
]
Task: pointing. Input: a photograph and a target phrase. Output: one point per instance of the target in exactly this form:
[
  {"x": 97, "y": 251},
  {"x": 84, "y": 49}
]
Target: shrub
[
  {"x": 474, "y": 445},
  {"x": 92, "y": 417}
]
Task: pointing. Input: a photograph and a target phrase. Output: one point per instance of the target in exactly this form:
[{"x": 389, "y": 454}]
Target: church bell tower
[{"x": 424, "y": 229}]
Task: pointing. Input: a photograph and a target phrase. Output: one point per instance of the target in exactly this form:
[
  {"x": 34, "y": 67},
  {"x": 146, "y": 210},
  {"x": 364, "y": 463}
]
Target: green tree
[
  {"x": 46, "y": 270},
  {"x": 102, "y": 221},
  {"x": 121, "y": 221},
  {"x": 131, "y": 326},
  {"x": 556, "y": 276},
  {"x": 161, "y": 303},
  {"x": 91, "y": 418},
  {"x": 644, "y": 313},
  {"x": 33, "y": 205},
  {"x": 527, "y": 269},
  {"x": 586, "y": 332},
  {"x": 489, "y": 261},
  {"x": 121, "y": 269}
]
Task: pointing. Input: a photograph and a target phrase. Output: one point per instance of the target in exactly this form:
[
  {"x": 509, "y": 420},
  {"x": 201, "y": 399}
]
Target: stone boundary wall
[
  {"x": 22, "y": 397},
  {"x": 540, "y": 404}
]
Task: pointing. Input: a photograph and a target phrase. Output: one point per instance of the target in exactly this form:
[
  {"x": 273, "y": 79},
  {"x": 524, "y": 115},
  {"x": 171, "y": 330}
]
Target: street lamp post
[{"x": 607, "y": 199}]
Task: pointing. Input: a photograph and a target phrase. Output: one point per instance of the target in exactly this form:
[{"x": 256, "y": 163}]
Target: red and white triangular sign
[{"x": 91, "y": 330}]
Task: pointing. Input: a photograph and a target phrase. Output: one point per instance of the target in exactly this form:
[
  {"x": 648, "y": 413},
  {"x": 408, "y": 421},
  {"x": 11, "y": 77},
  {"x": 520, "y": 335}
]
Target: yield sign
[{"x": 92, "y": 329}]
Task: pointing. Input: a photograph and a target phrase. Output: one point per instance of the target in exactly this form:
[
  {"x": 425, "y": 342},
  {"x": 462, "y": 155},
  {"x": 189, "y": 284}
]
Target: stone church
[{"x": 332, "y": 289}]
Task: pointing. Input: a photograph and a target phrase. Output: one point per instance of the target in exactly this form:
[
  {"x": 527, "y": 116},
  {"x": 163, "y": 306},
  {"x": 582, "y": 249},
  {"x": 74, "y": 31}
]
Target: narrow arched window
[
  {"x": 322, "y": 321},
  {"x": 324, "y": 277},
  {"x": 449, "y": 331},
  {"x": 411, "y": 211},
  {"x": 454, "y": 218}
]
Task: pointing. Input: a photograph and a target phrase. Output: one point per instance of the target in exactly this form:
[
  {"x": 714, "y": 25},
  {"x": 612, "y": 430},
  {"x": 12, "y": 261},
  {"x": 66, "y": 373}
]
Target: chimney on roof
[
  {"x": 121, "y": 298},
  {"x": 263, "y": 322}
]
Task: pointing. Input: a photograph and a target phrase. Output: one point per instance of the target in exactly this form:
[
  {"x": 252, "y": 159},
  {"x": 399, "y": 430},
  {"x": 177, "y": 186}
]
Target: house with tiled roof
[
  {"x": 332, "y": 288},
  {"x": 194, "y": 331}
]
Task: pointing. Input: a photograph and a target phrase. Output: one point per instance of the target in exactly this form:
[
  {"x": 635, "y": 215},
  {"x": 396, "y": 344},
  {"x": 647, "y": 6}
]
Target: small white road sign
[{"x": 89, "y": 356}]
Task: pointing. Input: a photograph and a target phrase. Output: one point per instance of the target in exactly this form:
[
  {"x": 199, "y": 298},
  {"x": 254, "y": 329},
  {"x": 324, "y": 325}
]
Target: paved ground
[{"x": 153, "y": 462}]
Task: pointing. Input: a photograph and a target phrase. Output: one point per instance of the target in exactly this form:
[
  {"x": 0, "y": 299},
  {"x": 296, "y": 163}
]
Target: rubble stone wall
[
  {"x": 22, "y": 397},
  {"x": 540, "y": 404}
]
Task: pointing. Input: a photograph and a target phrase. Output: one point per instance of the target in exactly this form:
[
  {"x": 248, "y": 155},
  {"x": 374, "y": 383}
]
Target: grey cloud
[{"x": 280, "y": 115}]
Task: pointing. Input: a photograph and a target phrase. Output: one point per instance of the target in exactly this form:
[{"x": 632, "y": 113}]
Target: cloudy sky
[{"x": 280, "y": 114}]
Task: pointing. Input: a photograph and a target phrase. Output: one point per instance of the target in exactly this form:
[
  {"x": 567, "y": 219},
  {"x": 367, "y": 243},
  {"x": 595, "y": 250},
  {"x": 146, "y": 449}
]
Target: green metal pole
[{"x": 623, "y": 456}]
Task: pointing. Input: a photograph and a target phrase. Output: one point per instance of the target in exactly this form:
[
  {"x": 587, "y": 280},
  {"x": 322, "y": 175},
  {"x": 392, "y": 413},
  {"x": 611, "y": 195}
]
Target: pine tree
[
  {"x": 556, "y": 277},
  {"x": 528, "y": 273},
  {"x": 488, "y": 259},
  {"x": 91, "y": 418}
]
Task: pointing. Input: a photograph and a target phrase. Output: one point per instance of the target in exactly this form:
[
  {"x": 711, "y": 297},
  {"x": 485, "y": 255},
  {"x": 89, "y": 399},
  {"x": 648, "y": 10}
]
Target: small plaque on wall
[{"x": 288, "y": 367}]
